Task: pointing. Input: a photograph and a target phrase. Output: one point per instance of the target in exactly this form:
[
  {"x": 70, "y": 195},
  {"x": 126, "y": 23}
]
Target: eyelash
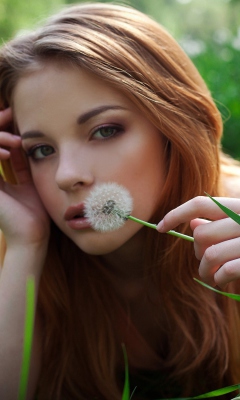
[
  {"x": 118, "y": 129},
  {"x": 31, "y": 152}
]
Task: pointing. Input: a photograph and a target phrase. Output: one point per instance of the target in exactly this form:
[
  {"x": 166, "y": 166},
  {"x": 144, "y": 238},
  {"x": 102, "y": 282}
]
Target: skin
[{"x": 216, "y": 243}]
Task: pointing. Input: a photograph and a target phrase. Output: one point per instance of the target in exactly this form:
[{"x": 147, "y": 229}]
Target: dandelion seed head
[{"x": 108, "y": 206}]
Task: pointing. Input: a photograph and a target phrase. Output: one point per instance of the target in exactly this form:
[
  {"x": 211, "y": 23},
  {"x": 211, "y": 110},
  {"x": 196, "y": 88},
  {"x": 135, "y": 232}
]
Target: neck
[{"x": 126, "y": 266}]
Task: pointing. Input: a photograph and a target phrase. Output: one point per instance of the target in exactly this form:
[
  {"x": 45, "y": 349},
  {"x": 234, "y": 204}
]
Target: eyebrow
[
  {"x": 82, "y": 119},
  {"x": 31, "y": 134},
  {"x": 96, "y": 111}
]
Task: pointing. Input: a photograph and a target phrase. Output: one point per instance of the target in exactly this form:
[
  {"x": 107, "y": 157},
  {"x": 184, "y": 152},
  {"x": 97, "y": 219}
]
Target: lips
[
  {"x": 75, "y": 219},
  {"x": 74, "y": 212}
]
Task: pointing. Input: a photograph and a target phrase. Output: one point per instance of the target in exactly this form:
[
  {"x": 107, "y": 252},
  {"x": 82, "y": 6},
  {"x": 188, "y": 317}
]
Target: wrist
[{"x": 26, "y": 259}]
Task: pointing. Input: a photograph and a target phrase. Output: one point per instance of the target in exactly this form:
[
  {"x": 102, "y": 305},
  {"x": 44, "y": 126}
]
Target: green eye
[
  {"x": 105, "y": 132},
  {"x": 39, "y": 152}
]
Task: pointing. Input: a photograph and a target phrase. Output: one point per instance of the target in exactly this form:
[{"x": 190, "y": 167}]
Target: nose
[{"x": 74, "y": 170}]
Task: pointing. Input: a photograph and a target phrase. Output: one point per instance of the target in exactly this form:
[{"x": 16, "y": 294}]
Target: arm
[
  {"x": 18, "y": 265},
  {"x": 216, "y": 243},
  {"x": 25, "y": 226}
]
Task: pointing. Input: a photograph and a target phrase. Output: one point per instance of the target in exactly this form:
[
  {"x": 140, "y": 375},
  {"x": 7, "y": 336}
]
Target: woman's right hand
[
  {"x": 216, "y": 242},
  {"x": 23, "y": 218}
]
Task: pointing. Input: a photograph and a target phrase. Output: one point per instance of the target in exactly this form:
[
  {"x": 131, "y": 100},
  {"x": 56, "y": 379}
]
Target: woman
[{"x": 104, "y": 94}]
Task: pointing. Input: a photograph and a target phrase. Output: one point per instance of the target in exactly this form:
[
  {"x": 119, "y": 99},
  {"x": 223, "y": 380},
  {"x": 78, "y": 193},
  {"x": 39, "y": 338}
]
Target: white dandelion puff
[{"x": 108, "y": 207}]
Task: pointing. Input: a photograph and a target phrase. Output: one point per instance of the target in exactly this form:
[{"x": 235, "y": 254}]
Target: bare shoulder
[
  {"x": 36, "y": 359},
  {"x": 230, "y": 176}
]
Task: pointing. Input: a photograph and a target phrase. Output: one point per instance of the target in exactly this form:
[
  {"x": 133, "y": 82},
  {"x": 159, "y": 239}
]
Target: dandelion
[{"x": 108, "y": 206}]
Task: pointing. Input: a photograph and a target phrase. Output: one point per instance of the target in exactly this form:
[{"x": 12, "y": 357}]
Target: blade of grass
[
  {"x": 214, "y": 393},
  {"x": 28, "y": 335},
  {"x": 218, "y": 392},
  {"x": 231, "y": 295},
  {"x": 231, "y": 214},
  {"x": 126, "y": 389}
]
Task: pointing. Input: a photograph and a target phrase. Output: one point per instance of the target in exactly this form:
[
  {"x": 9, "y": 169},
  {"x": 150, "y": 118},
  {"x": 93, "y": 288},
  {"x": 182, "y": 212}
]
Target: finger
[
  {"x": 228, "y": 272},
  {"x": 20, "y": 166},
  {"x": 216, "y": 231},
  {"x": 5, "y": 117},
  {"x": 7, "y": 140},
  {"x": 197, "y": 222},
  {"x": 199, "y": 248},
  {"x": 199, "y": 207},
  {"x": 216, "y": 256},
  {"x": 206, "y": 235}
]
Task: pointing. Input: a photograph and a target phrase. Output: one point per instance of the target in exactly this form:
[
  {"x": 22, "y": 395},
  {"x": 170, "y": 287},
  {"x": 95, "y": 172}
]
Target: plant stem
[
  {"x": 154, "y": 226},
  {"x": 28, "y": 338}
]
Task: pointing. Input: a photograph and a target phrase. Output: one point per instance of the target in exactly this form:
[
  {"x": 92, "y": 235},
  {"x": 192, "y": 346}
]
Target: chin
[{"x": 99, "y": 244}]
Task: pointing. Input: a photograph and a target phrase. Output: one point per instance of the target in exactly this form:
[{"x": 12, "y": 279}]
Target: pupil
[{"x": 46, "y": 150}]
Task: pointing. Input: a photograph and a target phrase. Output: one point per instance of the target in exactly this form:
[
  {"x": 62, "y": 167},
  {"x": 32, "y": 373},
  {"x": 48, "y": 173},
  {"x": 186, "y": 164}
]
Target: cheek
[
  {"x": 150, "y": 181},
  {"x": 45, "y": 188}
]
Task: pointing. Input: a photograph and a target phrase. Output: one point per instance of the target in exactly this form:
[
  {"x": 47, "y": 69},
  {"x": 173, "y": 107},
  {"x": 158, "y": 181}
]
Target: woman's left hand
[{"x": 216, "y": 243}]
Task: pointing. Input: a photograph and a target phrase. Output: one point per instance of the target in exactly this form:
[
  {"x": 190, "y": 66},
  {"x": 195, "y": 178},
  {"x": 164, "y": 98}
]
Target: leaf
[
  {"x": 218, "y": 392},
  {"x": 28, "y": 335},
  {"x": 231, "y": 295},
  {"x": 231, "y": 214},
  {"x": 126, "y": 389},
  {"x": 214, "y": 393}
]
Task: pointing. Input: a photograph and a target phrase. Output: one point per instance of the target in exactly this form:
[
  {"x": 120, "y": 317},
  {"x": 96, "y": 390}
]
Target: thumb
[{"x": 198, "y": 221}]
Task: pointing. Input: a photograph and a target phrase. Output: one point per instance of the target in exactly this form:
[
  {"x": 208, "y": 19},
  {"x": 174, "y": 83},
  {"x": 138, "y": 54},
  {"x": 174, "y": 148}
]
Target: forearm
[{"x": 19, "y": 264}]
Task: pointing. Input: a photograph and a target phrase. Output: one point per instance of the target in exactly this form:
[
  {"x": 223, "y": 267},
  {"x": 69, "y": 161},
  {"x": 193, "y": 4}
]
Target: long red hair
[{"x": 82, "y": 352}]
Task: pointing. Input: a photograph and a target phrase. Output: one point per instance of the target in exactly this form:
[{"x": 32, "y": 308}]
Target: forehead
[
  {"x": 62, "y": 91},
  {"x": 51, "y": 82}
]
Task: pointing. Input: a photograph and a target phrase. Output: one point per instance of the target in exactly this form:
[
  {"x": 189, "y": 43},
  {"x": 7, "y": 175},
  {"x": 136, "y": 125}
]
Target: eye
[
  {"x": 40, "y": 151},
  {"x": 107, "y": 131}
]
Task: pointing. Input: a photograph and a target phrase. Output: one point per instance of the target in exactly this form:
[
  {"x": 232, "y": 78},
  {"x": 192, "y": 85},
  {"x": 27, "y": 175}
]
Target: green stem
[
  {"x": 28, "y": 338},
  {"x": 154, "y": 226}
]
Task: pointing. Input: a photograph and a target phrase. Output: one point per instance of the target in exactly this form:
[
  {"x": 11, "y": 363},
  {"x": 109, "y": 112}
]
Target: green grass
[{"x": 28, "y": 336}]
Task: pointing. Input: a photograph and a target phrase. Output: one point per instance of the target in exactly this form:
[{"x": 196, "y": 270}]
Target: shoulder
[{"x": 230, "y": 176}]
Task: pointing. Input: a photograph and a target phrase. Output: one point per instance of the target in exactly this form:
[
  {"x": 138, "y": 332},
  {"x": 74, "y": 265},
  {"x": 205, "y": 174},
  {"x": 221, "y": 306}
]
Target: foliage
[
  {"x": 208, "y": 31},
  {"x": 28, "y": 337},
  {"x": 219, "y": 66},
  {"x": 18, "y": 15}
]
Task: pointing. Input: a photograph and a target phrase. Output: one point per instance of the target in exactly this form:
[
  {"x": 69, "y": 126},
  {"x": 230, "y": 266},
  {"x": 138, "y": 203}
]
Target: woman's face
[{"x": 79, "y": 132}]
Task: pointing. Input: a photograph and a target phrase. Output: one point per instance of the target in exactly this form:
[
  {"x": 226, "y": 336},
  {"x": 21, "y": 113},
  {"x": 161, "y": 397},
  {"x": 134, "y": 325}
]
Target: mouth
[
  {"x": 75, "y": 217},
  {"x": 80, "y": 215},
  {"x": 74, "y": 212}
]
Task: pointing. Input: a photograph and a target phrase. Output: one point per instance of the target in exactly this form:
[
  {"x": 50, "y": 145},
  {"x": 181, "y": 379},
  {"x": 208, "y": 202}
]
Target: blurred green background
[{"x": 208, "y": 30}]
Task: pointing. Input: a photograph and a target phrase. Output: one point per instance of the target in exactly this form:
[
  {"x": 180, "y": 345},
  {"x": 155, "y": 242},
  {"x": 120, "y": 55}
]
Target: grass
[
  {"x": 126, "y": 388},
  {"x": 28, "y": 336}
]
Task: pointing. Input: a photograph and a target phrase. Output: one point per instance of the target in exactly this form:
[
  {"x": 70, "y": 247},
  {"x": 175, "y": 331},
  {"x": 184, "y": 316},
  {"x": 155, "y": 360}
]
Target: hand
[
  {"x": 216, "y": 243},
  {"x": 23, "y": 218}
]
